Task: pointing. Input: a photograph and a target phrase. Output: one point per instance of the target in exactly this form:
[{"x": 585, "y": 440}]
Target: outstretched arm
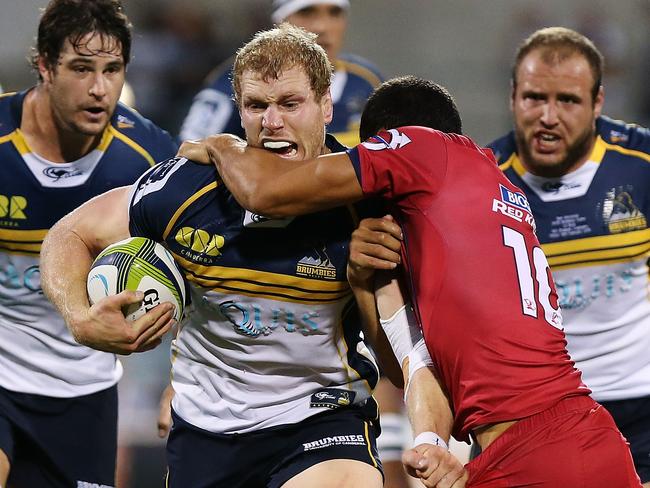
[
  {"x": 374, "y": 236},
  {"x": 66, "y": 256},
  {"x": 375, "y": 245},
  {"x": 275, "y": 187},
  {"x": 429, "y": 411}
]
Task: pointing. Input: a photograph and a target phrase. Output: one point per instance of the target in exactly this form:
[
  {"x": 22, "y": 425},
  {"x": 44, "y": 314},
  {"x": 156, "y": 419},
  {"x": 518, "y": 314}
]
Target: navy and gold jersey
[
  {"x": 592, "y": 224},
  {"x": 273, "y": 336},
  {"x": 37, "y": 353},
  {"x": 213, "y": 110}
]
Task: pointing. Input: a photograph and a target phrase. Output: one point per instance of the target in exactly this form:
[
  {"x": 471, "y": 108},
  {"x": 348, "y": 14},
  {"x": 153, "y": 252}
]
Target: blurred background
[{"x": 466, "y": 45}]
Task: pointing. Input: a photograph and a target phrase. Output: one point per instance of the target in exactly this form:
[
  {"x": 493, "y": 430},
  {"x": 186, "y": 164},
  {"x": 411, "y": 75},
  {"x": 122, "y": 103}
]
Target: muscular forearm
[
  {"x": 66, "y": 258},
  {"x": 69, "y": 249},
  {"x": 65, "y": 261},
  {"x": 275, "y": 187},
  {"x": 427, "y": 405}
]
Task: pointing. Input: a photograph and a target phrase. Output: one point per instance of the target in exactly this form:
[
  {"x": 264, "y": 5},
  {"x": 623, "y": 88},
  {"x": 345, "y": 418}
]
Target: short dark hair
[
  {"x": 409, "y": 100},
  {"x": 558, "y": 44},
  {"x": 74, "y": 19}
]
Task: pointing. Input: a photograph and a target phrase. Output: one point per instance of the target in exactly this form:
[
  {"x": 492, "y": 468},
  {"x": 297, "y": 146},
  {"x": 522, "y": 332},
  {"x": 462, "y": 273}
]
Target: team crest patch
[
  {"x": 332, "y": 398},
  {"x": 319, "y": 265},
  {"x": 513, "y": 204},
  {"x": 620, "y": 213}
]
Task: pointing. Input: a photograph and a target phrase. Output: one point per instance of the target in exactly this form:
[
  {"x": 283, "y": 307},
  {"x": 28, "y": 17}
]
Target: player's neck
[{"x": 47, "y": 138}]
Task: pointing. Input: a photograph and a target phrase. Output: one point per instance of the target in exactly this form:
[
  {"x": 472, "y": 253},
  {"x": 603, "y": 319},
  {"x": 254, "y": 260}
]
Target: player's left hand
[{"x": 435, "y": 466}]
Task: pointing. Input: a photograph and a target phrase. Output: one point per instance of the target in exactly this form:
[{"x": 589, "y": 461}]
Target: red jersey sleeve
[{"x": 400, "y": 163}]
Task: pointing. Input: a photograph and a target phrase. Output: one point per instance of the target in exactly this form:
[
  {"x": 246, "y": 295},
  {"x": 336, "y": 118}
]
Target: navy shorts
[
  {"x": 59, "y": 442},
  {"x": 632, "y": 418},
  {"x": 269, "y": 457}
]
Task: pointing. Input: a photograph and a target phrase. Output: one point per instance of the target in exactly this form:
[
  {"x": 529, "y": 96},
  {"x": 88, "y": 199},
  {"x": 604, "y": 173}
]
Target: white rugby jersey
[
  {"x": 37, "y": 352},
  {"x": 593, "y": 227},
  {"x": 273, "y": 336}
]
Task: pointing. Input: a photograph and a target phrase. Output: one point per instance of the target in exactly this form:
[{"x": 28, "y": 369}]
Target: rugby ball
[{"x": 137, "y": 263}]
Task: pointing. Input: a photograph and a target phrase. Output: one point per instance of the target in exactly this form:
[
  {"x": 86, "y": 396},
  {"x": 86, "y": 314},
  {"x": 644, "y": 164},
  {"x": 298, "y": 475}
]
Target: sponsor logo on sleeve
[
  {"x": 396, "y": 140},
  {"x": 124, "y": 122},
  {"x": 513, "y": 204}
]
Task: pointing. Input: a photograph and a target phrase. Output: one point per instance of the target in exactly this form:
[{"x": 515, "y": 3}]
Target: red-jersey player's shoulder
[{"x": 415, "y": 157}]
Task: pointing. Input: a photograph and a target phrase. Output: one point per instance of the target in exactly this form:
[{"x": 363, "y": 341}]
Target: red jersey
[{"x": 480, "y": 283}]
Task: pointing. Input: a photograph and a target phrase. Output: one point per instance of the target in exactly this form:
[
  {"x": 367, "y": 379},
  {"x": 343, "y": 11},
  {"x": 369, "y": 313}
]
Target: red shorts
[{"x": 575, "y": 444}]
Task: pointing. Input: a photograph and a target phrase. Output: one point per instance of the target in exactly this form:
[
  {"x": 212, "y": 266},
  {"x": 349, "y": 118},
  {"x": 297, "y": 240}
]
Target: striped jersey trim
[
  {"x": 359, "y": 70},
  {"x": 598, "y": 250},
  {"x": 132, "y": 144},
  {"x": 263, "y": 284},
  {"x": 22, "y": 241},
  {"x": 186, "y": 204}
]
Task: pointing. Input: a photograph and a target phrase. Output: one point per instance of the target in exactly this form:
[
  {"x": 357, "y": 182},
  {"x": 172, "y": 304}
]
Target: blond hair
[{"x": 274, "y": 51}]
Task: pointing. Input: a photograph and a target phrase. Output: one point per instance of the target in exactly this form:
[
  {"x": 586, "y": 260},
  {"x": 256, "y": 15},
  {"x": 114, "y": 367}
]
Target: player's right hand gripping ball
[{"x": 138, "y": 263}]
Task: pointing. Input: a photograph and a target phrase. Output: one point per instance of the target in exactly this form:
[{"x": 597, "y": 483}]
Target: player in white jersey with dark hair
[
  {"x": 273, "y": 383},
  {"x": 587, "y": 178},
  {"x": 63, "y": 142}
]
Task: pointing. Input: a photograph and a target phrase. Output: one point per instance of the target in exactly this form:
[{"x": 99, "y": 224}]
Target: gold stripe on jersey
[
  {"x": 591, "y": 251},
  {"x": 628, "y": 152},
  {"x": 368, "y": 444},
  {"x": 263, "y": 284},
  {"x": 599, "y": 150},
  {"x": 186, "y": 204},
  {"x": 22, "y": 241},
  {"x": 132, "y": 144},
  {"x": 357, "y": 69},
  {"x": 19, "y": 141},
  {"x": 513, "y": 161}
]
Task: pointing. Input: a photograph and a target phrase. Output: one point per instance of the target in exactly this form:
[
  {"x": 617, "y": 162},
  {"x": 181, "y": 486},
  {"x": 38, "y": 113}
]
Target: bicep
[{"x": 101, "y": 221}]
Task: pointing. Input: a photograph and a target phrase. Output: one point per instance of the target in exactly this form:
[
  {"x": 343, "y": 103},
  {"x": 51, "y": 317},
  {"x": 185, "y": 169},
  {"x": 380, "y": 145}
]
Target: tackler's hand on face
[{"x": 206, "y": 151}]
